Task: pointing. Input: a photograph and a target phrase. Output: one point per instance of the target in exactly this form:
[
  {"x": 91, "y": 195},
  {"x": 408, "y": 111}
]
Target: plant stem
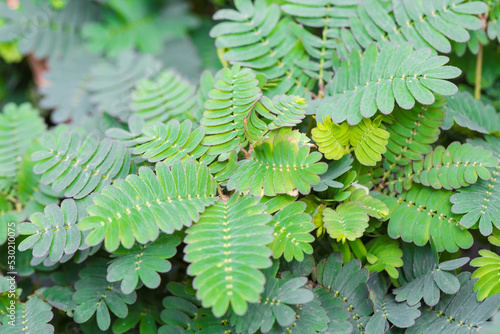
[
  {"x": 479, "y": 70},
  {"x": 310, "y": 126}
]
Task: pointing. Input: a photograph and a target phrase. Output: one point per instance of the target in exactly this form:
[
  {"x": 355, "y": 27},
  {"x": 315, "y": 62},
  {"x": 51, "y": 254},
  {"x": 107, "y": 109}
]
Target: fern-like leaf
[
  {"x": 292, "y": 227},
  {"x": 460, "y": 312},
  {"x": 79, "y": 166},
  {"x": 480, "y": 202},
  {"x": 171, "y": 141},
  {"x": 33, "y": 316},
  {"x": 369, "y": 141},
  {"x": 463, "y": 109},
  {"x": 255, "y": 37},
  {"x": 144, "y": 262},
  {"x": 95, "y": 295},
  {"x": 139, "y": 206},
  {"x": 226, "y": 247},
  {"x": 412, "y": 132},
  {"x": 19, "y": 127},
  {"x": 231, "y": 101},
  {"x": 55, "y": 233},
  {"x": 459, "y": 165},
  {"x": 343, "y": 289},
  {"x": 380, "y": 80},
  {"x": 487, "y": 274},
  {"x": 167, "y": 97},
  {"x": 347, "y": 222},
  {"x": 387, "y": 309},
  {"x": 278, "y": 165},
  {"x": 332, "y": 138},
  {"x": 384, "y": 254},
  {"x": 425, "y": 279},
  {"x": 281, "y": 111},
  {"x": 376, "y": 208},
  {"x": 423, "y": 212}
]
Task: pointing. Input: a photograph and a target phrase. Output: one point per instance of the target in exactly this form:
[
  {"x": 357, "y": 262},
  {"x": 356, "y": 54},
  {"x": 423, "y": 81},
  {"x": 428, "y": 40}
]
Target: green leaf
[
  {"x": 34, "y": 315},
  {"x": 236, "y": 233},
  {"x": 348, "y": 221},
  {"x": 426, "y": 212},
  {"x": 94, "y": 294},
  {"x": 292, "y": 229},
  {"x": 19, "y": 127},
  {"x": 462, "y": 307},
  {"x": 278, "y": 165},
  {"x": 384, "y": 254},
  {"x": 133, "y": 264},
  {"x": 80, "y": 166},
  {"x": 422, "y": 276},
  {"x": 480, "y": 201},
  {"x": 405, "y": 66},
  {"x": 138, "y": 207}
]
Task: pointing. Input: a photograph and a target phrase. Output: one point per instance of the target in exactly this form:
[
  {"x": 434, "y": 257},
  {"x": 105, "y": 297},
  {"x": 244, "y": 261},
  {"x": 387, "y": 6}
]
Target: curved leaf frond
[
  {"x": 278, "y": 165},
  {"x": 171, "y": 141},
  {"x": 422, "y": 212},
  {"x": 425, "y": 279},
  {"x": 226, "y": 247},
  {"x": 79, "y": 166},
  {"x": 231, "y": 101},
  {"x": 332, "y": 138},
  {"x": 19, "y": 127},
  {"x": 144, "y": 262},
  {"x": 54, "y": 234},
  {"x": 167, "y": 97},
  {"x": 459, "y": 165},
  {"x": 380, "y": 80},
  {"x": 139, "y": 206},
  {"x": 292, "y": 227},
  {"x": 347, "y": 222}
]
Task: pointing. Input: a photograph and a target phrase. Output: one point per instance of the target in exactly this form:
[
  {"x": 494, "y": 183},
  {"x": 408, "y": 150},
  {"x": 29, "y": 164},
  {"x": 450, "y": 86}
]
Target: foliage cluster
[{"x": 250, "y": 166}]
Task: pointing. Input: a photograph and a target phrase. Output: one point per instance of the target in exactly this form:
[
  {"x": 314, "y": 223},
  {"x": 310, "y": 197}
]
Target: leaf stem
[{"x": 479, "y": 70}]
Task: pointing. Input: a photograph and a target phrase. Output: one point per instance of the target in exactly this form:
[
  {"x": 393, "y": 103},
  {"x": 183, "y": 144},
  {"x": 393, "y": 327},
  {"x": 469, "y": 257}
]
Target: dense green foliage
[{"x": 250, "y": 166}]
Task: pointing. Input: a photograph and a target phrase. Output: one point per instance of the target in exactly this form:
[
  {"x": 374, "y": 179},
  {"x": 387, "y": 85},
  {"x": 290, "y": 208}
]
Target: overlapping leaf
[
  {"x": 54, "y": 234},
  {"x": 343, "y": 289},
  {"x": 256, "y": 38},
  {"x": 481, "y": 201},
  {"x": 387, "y": 309},
  {"x": 487, "y": 274},
  {"x": 140, "y": 206},
  {"x": 171, "y": 141},
  {"x": 142, "y": 262},
  {"x": 292, "y": 227},
  {"x": 382, "y": 79},
  {"x": 226, "y": 247},
  {"x": 32, "y": 316},
  {"x": 79, "y": 166},
  {"x": 278, "y": 165},
  {"x": 19, "y": 127},
  {"x": 234, "y": 96},
  {"x": 422, "y": 213},
  {"x": 412, "y": 132},
  {"x": 459, "y": 165},
  {"x": 95, "y": 295},
  {"x": 275, "y": 306},
  {"x": 167, "y": 97},
  {"x": 423, "y": 277},
  {"x": 347, "y": 222},
  {"x": 456, "y": 313},
  {"x": 384, "y": 254}
]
